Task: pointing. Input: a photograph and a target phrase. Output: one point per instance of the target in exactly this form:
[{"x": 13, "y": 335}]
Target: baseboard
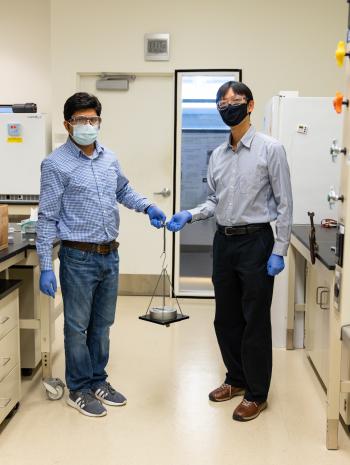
[{"x": 141, "y": 284}]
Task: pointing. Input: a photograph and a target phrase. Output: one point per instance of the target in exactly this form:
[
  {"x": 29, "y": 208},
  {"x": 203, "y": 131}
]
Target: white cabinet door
[{"x": 319, "y": 284}]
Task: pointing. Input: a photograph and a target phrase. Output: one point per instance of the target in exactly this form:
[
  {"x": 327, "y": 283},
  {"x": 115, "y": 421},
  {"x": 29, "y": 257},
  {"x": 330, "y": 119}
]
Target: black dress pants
[{"x": 243, "y": 294}]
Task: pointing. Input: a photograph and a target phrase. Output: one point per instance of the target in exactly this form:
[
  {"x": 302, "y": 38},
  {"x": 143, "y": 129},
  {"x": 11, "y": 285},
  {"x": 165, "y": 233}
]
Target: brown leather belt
[
  {"x": 102, "y": 249},
  {"x": 242, "y": 229}
]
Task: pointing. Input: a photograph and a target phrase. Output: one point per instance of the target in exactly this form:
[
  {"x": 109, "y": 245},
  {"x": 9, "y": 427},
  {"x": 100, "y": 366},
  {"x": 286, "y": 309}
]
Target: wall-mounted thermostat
[
  {"x": 302, "y": 129},
  {"x": 157, "y": 47}
]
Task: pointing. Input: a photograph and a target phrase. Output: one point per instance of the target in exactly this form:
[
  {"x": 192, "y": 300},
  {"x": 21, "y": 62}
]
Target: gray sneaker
[
  {"x": 108, "y": 395},
  {"x": 86, "y": 403}
]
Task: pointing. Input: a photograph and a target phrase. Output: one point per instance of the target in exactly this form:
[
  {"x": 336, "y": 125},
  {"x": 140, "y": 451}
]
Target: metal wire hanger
[{"x": 164, "y": 315}]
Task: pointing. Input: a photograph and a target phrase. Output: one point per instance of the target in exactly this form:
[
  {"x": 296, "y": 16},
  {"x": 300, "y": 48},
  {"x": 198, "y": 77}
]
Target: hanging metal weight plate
[{"x": 163, "y": 313}]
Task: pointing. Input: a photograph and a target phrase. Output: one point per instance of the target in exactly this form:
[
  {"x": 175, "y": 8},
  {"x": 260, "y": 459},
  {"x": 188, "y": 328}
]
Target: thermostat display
[{"x": 157, "y": 47}]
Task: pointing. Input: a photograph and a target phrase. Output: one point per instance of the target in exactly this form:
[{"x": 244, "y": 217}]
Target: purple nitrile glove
[
  {"x": 179, "y": 220},
  {"x": 48, "y": 284},
  {"x": 275, "y": 264}
]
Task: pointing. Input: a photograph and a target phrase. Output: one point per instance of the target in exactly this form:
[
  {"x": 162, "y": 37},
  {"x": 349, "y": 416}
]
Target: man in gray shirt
[{"x": 249, "y": 186}]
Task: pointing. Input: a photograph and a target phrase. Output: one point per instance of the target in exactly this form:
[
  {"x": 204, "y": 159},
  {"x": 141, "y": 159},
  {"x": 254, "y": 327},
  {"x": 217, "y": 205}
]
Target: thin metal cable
[{"x": 164, "y": 274}]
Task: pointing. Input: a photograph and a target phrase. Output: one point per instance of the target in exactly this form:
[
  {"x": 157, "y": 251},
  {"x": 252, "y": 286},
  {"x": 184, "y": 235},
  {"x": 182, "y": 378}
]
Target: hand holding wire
[
  {"x": 156, "y": 216},
  {"x": 179, "y": 220}
]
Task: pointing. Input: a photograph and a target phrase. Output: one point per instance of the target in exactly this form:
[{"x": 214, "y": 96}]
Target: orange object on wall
[{"x": 339, "y": 101}]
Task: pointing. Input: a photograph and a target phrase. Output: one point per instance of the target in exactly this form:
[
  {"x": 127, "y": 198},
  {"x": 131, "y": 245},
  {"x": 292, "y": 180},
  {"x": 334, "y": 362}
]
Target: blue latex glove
[
  {"x": 156, "y": 216},
  {"x": 275, "y": 265},
  {"x": 179, "y": 220},
  {"x": 48, "y": 284}
]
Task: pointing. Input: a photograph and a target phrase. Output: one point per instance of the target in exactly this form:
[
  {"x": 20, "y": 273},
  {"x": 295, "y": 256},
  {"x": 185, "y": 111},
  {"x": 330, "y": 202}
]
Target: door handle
[{"x": 165, "y": 192}]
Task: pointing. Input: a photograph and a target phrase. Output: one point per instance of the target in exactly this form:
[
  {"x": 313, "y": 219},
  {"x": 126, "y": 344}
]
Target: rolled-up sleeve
[
  {"x": 279, "y": 177},
  {"x": 51, "y": 191}
]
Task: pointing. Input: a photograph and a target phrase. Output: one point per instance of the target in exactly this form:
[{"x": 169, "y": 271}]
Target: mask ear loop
[{"x": 248, "y": 101}]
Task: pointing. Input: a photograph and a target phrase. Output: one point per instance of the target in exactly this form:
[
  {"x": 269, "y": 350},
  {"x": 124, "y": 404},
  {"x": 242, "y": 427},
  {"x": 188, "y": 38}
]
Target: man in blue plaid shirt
[{"x": 81, "y": 186}]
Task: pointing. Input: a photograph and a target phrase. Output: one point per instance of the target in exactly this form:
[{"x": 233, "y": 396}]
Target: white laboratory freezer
[
  {"x": 306, "y": 126},
  {"x": 24, "y": 143}
]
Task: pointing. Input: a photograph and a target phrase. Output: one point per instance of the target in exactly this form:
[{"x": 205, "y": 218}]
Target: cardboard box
[{"x": 4, "y": 226}]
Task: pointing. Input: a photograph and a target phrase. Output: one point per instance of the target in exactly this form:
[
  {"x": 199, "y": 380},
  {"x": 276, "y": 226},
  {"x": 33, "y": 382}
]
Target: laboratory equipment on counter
[
  {"x": 312, "y": 238},
  {"x": 163, "y": 314},
  {"x": 18, "y": 108},
  {"x": 29, "y": 224},
  {"x": 24, "y": 143}
]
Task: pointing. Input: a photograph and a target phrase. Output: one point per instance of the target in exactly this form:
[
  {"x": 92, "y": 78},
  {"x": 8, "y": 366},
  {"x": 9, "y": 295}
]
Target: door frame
[{"x": 177, "y": 72}]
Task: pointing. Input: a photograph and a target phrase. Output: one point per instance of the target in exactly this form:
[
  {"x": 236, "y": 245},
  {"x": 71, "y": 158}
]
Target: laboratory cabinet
[
  {"x": 319, "y": 282},
  {"x": 10, "y": 374},
  {"x": 319, "y": 285}
]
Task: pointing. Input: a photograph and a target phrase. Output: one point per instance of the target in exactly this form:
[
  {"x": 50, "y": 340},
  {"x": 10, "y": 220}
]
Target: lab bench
[
  {"x": 37, "y": 312},
  {"x": 319, "y": 336}
]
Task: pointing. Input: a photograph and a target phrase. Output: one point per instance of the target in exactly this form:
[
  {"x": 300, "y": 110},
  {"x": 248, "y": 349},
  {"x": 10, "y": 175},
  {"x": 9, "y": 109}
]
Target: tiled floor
[{"x": 166, "y": 374}]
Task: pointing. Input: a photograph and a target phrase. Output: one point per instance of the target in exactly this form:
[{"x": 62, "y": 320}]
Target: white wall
[
  {"x": 279, "y": 44},
  {"x": 25, "y": 53}
]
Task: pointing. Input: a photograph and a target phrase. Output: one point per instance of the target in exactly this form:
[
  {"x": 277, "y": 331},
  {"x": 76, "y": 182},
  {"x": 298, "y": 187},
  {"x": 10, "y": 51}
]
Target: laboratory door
[
  {"x": 138, "y": 125},
  {"x": 198, "y": 131}
]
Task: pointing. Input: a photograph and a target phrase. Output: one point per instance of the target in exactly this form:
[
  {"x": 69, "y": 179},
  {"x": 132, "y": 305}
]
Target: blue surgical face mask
[{"x": 85, "y": 134}]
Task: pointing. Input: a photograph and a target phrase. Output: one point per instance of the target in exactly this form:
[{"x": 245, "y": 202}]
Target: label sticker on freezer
[
  {"x": 14, "y": 140},
  {"x": 14, "y": 133}
]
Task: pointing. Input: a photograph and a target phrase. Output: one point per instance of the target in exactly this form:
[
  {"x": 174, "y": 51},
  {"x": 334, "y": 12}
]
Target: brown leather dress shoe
[
  {"x": 225, "y": 392},
  {"x": 248, "y": 410}
]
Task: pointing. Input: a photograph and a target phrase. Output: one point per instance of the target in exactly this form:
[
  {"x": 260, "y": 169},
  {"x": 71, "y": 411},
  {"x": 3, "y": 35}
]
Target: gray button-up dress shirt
[{"x": 250, "y": 185}]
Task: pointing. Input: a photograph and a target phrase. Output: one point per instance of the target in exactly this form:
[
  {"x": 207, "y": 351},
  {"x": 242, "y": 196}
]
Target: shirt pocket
[
  {"x": 80, "y": 184},
  {"x": 253, "y": 181}
]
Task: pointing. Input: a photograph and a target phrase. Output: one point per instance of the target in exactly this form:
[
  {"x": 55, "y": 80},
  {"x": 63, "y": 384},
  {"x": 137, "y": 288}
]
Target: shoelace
[
  {"x": 247, "y": 403},
  {"x": 107, "y": 387},
  {"x": 224, "y": 386}
]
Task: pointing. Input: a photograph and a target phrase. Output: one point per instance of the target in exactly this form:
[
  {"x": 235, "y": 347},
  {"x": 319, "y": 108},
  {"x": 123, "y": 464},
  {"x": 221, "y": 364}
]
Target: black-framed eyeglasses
[{"x": 93, "y": 120}]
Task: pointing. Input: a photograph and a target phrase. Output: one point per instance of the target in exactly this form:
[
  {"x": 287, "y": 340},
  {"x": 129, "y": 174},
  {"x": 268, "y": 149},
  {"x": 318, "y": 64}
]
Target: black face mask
[{"x": 234, "y": 115}]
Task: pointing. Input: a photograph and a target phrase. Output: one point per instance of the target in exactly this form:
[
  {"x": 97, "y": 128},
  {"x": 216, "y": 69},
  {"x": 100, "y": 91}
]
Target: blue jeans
[{"x": 89, "y": 284}]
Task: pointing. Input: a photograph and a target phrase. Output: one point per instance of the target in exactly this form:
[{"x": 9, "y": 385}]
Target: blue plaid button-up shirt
[{"x": 78, "y": 198}]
